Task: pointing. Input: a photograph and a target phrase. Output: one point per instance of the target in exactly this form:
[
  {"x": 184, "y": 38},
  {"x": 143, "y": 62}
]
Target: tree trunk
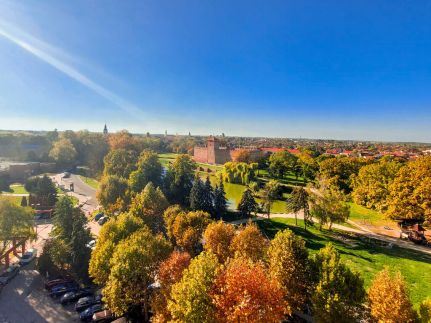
[
  {"x": 296, "y": 219},
  {"x": 330, "y": 225}
]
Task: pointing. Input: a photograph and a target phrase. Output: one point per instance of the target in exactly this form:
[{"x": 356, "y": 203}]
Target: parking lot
[{"x": 24, "y": 300}]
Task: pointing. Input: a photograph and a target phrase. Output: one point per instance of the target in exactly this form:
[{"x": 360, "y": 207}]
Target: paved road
[{"x": 24, "y": 300}]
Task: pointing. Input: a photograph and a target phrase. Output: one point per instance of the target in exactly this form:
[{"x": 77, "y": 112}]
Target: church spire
[{"x": 105, "y": 130}]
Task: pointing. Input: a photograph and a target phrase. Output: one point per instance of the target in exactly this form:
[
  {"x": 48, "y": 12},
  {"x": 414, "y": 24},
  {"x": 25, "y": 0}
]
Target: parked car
[
  {"x": 91, "y": 244},
  {"x": 55, "y": 282},
  {"x": 8, "y": 274},
  {"x": 60, "y": 290},
  {"x": 103, "y": 220},
  {"x": 98, "y": 216},
  {"x": 66, "y": 175},
  {"x": 28, "y": 256},
  {"x": 103, "y": 316},
  {"x": 75, "y": 295},
  {"x": 87, "y": 314},
  {"x": 85, "y": 302}
]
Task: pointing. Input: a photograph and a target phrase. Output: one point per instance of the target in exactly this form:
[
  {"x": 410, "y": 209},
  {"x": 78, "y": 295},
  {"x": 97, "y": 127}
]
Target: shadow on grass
[{"x": 316, "y": 240}]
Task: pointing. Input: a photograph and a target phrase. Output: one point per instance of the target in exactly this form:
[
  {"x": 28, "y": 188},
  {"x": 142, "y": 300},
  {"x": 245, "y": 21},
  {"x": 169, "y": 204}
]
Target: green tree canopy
[
  {"x": 149, "y": 205},
  {"x": 112, "y": 193},
  {"x": 134, "y": 266},
  {"x": 149, "y": 170},
  {"x": 63, "y": 151},
  {"x": 120, "y": 162},
  {"x": 247, "y": 205}
]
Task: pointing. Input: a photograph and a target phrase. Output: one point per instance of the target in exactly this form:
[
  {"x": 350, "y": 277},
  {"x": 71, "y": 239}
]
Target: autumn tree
[
  {"x": 243, "y": 292},
  {"x": 297, "y": 202},
  {"x": 170, "y": 272},
  {"x": 169, "y": 219},
  {"x": 328, "y": 206},
  {"x": 247, "y": 205},
  {"x": 149, "y": 169},
  {"x": 134, "y": 266},
  {"x": 338, "y": 292},
  {"x": 112, "y": 193},
  {"x": 389, "y": 299},
  {"x": 218, "y": 237},
  {"x": 149, "y": 205},
  {"x": 425, "y": 311},
  {"x": 190, "y": 298},
  {"x": 187, "y": 230},
  {"x": 280, "y": 163},
  {"x": 110, "y": 235},
  {"x": 120, "y": 162},
  {"x": 63, "y": 151},
  {"x": 15, "y": 221},
  {"x": 289, "y": 266},
  {"x": 249, "y": 243},
  {"x": 243, "y": 156},
  {"x": 179, "y": 179},
  {"x": 409, "y": 193},
  {"x": 371, "y": 185}
]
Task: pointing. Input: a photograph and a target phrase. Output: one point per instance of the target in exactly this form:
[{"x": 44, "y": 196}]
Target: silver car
[{"x": 28, "y": 257}]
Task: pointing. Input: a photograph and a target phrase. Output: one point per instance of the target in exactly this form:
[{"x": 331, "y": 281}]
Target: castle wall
[{"x": 200, "y": 154}]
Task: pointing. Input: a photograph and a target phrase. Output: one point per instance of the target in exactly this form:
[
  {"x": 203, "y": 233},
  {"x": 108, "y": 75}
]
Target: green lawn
[
  {"x": 364, "y": 257},
  {"x": 15, "y": 199},
  {"x": 90, "y": 181},
  {"x": 16, "y": 189},
  {"x": 362, "y": 215}
]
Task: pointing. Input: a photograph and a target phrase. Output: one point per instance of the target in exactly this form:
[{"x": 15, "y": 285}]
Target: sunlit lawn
[
  {"x": 90, "y": 181},
  {"x": 364, "y": 257},
  {"x": 16, "y": 189},
  {"x": 362, "y": 215}
]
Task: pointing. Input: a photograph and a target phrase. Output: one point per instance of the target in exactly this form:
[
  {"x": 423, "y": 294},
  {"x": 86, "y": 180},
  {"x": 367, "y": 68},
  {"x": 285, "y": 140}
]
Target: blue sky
[{"x": 317, "y": 69}]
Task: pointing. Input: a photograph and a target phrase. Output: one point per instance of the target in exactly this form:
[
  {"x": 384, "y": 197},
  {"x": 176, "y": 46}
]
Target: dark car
[
  {"x": 75, "y": 295},
  {"x": 85, "y": 302},
  {"x": 98, "y": 216},
  {"x": 60, "y": 290},
  {"x": 56, "y": 282},
  {"x": 87, "y": 315},
  {"x": 8, "y": 274},
  {"x": 103, "y": 220}
]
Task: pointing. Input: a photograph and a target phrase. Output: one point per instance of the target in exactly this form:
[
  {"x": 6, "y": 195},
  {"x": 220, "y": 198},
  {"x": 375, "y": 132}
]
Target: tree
[
  {"x": 79, "y": 239},
  {"x": 249, "y": 243},
  {"x": 24, "y": 201},
  {"x": 187, "y": 230},
  {"x": 338, "y": 293},
  {"x": 389, "y": 299},
  {"x": 220, "y": 201},
  {"x": 169, "y": 218},
  {"x": 329, "y": 206},
  {"x": 247, "y": 205},
  {"x": 63, "y": 218},
  {"x": 280, "y": 163},
  {"x": 120, "y": 162},
  {"x": 190, "y": 300},
  {"x": 42, "y": 191},
  {"x": 149, "y": 205},
  {"x": 149, "y": 170},
  {"x": 243, "y": 156},
  {"x": 112, "y": 193},
  {"x": 270, "y": 193},
  {"x": 179, "y": 179},
  {"x": 297, "y": 202},
  {"x": 409, "y": 196},
  {"x": 63, "y": 151},
  {"x": 371, "y": 185},
  {"x": 170, "y": 272},
  {"x": 338, "y": 171},
  {"x": 208, "y": 197},
  {"x": 425, "y": 311},
  {"x": 134, "y": 267},
  {"x": 239, "y": 173},
  {"x": 110, "y": 235},
  {"x": 197, "y": 195},
  {"x": 289, "y": 266},
  {"x": 15, "y": 221},
  {"x": 243, "y": 292},
  {"x": 218, "y": 236}
]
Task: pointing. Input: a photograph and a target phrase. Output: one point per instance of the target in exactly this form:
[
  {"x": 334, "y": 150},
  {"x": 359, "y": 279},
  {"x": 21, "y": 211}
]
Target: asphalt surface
[{"x": 24, "y": 299}]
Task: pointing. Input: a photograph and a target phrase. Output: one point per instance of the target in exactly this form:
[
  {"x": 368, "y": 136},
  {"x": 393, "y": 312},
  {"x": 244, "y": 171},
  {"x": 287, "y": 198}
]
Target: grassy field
[
  {"x": 364, "y": 257},
  {"x": 16, "y": 189},
  {"x": 370, "y": 218},
  {"x": 90, "y": 181},
  {"x": 15, "y": 199}
]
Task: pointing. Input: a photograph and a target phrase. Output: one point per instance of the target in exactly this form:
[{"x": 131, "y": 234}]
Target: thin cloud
[{"x": 71, "y": 72}]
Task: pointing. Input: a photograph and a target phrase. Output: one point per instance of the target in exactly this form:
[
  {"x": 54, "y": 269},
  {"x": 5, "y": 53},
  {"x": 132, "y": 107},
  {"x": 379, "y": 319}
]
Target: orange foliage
[{"x": 243, "y": 293}]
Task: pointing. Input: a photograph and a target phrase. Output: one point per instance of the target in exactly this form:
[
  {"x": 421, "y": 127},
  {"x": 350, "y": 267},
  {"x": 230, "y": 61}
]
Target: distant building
[
  {"x": 105, "y": 130},
  {"x": 214, "y": 153},
  {"x": 21, "y": 171}
]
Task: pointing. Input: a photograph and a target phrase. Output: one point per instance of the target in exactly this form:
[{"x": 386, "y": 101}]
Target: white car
[
  {"x": 28, "y": 257},
  {"x": 91, "y": 244}
]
